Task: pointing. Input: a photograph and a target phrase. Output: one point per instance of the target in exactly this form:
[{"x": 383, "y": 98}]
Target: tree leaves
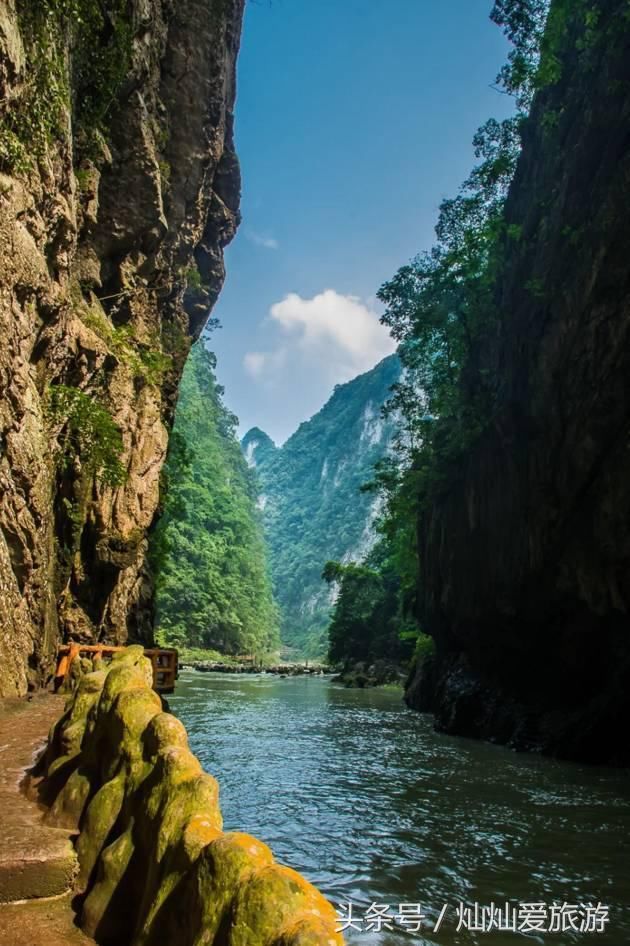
[{"x": 212, "y": 587}]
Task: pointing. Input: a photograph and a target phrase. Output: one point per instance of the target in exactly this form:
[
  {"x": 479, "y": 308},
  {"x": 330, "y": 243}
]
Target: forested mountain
[
  {"x": 311, "y": 502},
  {"x": 212, "y": 586}
]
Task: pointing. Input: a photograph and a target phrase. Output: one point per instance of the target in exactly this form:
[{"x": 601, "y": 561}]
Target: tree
[
  {"x": 367, "y": 622},
  {"x": 212, "y": 585},
  {"x": 441, "y": 309}
]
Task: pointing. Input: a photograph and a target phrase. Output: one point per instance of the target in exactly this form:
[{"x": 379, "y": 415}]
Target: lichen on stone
[{"x": 155, "y": 867}]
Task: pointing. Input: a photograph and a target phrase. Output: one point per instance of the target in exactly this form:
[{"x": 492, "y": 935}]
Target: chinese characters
[{"x": 526, "y": 917}]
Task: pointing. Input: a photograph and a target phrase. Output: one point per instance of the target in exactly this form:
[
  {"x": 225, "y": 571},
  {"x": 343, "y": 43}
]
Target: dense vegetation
[
  {"x": 359, "y": 469},
  {"x": 212, "y": 586},
  {"x": 98, "y": 36},
  {"x": 368, "y": 621},
  {"x": 441, "y": 309},
  {"x": 313, "y": 507}
]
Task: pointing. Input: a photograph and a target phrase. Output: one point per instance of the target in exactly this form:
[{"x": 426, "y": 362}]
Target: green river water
[{"x": 370, "y": 804}]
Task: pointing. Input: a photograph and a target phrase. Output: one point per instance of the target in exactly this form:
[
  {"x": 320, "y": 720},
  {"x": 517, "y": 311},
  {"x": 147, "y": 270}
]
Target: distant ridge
[{"x": 310, "y": 500}]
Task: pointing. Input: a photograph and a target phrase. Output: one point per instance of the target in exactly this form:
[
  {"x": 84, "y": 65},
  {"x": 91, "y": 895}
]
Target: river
[{"x": 370, "y": 804}]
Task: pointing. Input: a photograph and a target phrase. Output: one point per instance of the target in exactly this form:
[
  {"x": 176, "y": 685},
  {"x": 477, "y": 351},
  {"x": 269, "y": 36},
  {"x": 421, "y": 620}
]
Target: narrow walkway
[{"x": 37, "y": 863}]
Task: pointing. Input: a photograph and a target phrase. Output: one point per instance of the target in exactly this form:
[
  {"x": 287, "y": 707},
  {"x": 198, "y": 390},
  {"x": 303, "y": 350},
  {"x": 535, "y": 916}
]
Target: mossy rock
[
  {"x": 155, "y": 865},
  {"x": 309, "y": 931},
  {"x": 100, "y": 817},
  {"x": 98, "y": 919},
  {"x": 68, "y": 806},
  {"x": 270, "y": 900},
  {"x": 164, "y": 730},
  {"x": 199, "y": 912}
]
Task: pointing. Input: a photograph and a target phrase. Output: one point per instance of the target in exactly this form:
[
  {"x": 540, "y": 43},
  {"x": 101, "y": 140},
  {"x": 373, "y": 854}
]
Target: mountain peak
[
  {"x": 257, "y": 446},
  {"x": 312, "y": 506}
]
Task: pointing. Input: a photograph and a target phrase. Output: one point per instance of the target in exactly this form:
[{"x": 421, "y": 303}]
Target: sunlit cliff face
[{"x": 111, "y": 257}]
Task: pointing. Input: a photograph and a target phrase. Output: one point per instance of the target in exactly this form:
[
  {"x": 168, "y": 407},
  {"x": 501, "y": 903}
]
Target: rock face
[
  {"x": 112, "y": 228},
  {"x": 154, "y": 865},
  {"x": 526, "y": 553}
]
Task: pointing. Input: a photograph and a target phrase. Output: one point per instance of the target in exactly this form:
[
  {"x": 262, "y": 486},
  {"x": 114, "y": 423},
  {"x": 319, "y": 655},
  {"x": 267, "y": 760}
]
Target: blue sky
[{"x": 354, "y": 119}]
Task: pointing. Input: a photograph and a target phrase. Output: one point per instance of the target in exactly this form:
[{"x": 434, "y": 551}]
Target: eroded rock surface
[
  {"x": 111, "y": 257},
  {"x": 155, "y": 866}
]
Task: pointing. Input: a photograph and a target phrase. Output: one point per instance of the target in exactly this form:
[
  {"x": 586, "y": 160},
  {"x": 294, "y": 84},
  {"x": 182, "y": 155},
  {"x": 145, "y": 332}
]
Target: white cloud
[
  {"x": 260, "y": 239},
  {"x": 259, "y": 363},
  {"x": 254, "y": 362},
  {"x": 309, "y": 346},
  {"x": 341, "y": 332}
]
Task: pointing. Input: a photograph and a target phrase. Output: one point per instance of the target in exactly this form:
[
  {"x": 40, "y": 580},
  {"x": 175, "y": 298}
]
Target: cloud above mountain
[{"x": 339, "y": 336}]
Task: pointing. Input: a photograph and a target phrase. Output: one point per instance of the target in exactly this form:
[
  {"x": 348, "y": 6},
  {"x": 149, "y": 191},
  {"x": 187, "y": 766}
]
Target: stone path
[{"x": 37, "y": 863}]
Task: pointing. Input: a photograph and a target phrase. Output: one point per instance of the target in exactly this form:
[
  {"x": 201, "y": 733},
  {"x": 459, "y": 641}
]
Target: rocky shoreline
[
  {"x": 359, "y": 675},
  {"x": 281, "y": 670},
  {"x": 154, "y": 864},
  {"x": 362, "y": 675}
]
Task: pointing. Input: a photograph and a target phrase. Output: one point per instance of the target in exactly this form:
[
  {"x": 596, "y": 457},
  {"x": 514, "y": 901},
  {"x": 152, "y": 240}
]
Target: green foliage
[
  {"x": 440, "y": 307},
  {"x": 193, "y": 278},
  {"x": 442, "y": 310},
  {"x": 100, "y": 61},
  {"x": 425, "y": 647},
  {"x": 367, "y": 622},
  {"x": 154, "y": 363},
  {"x": 165, "y": 173},
  {"x": 514, "y": 231},
  {"x": 145, "y": 361},
  {"x": 175, "y": 341},
  {"x": 535, "y": 287},
  {"x": 523, "y": 22},
  {"x": 84, "y": 178},
  {"x": 29, "y": 125},
  {"x": 537, "y": 29},
  {"x": 313, "y": 507},
  {"x": 212, "y": 586},
  {"x": 189, "y": 654},
  {"x": 83, "y": 45},
  {"x": 87, "y": 432},
  {"x": 550, "y": 121},
  {"x": 160, "y": 136}
]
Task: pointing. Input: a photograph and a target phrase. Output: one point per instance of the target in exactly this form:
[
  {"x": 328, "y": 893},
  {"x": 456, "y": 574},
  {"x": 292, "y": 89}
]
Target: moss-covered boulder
[{"x": 155, "y": 867}]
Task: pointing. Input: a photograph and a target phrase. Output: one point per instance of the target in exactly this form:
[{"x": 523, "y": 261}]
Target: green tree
[
  {"x": 212, "y": 586},
  {"x": 367, "y": 621},
  {"x": 441, "y": 309}
]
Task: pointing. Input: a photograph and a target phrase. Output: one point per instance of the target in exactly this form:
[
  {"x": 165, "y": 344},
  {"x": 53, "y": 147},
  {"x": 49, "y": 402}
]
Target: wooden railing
[{"x": 163, "y": 660}]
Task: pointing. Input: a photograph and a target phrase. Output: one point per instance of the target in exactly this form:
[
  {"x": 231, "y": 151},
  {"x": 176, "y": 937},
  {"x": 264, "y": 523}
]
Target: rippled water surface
[{"x": 359, "y": 793}]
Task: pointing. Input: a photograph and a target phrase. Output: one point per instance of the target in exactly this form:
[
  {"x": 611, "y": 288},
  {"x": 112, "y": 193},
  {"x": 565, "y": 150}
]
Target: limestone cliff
[
  {"x": 119, "y": 188},
  {"x": 525, "y": 553}
]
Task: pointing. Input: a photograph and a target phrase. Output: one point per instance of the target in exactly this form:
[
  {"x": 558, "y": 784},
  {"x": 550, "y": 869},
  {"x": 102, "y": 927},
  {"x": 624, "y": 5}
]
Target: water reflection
[{"x": 359, "y": 793}]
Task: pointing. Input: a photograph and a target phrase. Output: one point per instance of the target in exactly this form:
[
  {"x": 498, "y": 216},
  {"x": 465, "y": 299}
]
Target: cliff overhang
[{"x": 119, "y": 189}]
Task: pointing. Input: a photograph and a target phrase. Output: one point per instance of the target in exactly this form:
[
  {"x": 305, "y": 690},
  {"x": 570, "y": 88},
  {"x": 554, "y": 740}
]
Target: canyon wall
[
  {"x": 525, "y": 552},
  {"x": 119, "y": 188}
]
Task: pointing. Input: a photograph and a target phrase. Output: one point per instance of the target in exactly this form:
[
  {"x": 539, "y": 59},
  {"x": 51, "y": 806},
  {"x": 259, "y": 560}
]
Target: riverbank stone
[{"x": 155, "y": 866}]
